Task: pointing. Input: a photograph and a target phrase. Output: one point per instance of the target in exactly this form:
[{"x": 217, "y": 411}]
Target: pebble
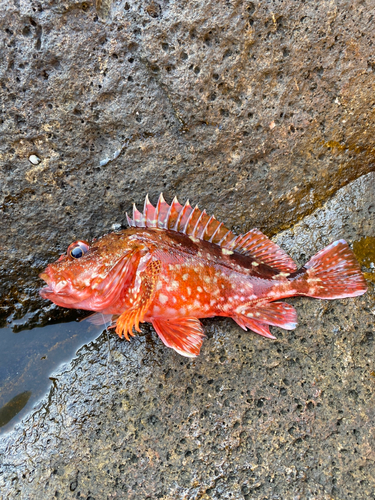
[{"x": 34, "y": 159}]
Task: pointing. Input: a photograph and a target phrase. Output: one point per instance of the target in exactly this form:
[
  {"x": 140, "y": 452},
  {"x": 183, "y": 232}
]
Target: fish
[{"x": 176, "y": 264}]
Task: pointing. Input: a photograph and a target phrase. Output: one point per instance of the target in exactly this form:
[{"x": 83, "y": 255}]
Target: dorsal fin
[
  {"x": 256, "y": 244},
  {"x": 193, "y": 222}
]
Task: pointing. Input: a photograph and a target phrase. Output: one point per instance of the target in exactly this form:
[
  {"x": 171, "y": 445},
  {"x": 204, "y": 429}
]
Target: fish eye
[{"x": 78, "y": 249}]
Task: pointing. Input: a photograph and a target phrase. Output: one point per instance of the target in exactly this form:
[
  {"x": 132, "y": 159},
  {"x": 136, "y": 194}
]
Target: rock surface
[
  {"x": 259, "y": 111},
  {"x": 248, "y": 419}
]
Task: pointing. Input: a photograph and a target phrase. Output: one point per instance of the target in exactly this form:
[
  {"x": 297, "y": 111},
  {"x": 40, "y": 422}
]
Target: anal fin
[
  {"x": 257, "y": 327},
  {"x": 184, "y": 335},
  {"x": 274, "y": 313}
]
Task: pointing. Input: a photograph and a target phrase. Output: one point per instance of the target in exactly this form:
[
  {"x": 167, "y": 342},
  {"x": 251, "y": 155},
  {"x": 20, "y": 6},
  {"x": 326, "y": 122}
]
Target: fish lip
[
  {"x": 47, "y": 289},
  {"x": 45, "y": 277},
  {"x": 45, "y": 292},
  {"x": 52, "y": 287}
]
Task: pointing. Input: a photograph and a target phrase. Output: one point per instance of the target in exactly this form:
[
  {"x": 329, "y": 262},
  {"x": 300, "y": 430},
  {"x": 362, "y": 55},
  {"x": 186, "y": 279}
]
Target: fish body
[{"x": 175, "y": 264}]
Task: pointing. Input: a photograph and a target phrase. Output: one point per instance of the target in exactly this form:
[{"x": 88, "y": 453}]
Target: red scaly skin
[{"x": 170, "y": 279}]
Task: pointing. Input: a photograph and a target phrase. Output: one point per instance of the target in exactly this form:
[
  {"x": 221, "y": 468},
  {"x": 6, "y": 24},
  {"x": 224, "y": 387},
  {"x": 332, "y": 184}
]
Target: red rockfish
[{"x": 177, "y": 264}]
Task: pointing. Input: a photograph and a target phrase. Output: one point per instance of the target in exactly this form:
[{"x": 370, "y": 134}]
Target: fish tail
[{"x": 332, "y": 273}]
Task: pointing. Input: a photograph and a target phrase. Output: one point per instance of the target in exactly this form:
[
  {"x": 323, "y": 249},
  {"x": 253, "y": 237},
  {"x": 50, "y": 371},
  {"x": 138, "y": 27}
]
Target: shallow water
[{"x": 27, "y": 360}]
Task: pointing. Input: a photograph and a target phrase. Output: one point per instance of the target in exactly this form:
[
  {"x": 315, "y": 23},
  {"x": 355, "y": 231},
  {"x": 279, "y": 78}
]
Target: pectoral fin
[
  {"x": 184, "y": 335},
  {"x": 133, "y": 316}
]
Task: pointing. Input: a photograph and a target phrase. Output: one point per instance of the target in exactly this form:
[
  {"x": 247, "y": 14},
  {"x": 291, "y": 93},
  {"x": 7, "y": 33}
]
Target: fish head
[{"x": 92, "y": 276}]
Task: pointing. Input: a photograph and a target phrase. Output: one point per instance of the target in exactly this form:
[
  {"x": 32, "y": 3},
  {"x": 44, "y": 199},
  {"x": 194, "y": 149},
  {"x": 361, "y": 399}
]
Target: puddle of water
[
  {"x": 28, "y": 358},
  {"x": 364, "y": 250}
]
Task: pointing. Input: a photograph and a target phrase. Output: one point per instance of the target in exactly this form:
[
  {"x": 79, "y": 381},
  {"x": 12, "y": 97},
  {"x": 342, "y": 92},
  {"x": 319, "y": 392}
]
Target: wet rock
[
  {"x": 249, "y": 418},
  {"x": 257, "y": 112}
]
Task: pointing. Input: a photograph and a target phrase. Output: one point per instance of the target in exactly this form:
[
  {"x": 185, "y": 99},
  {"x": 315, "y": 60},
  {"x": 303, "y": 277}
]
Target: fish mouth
[
  {"x": 51, "y": 287},
  {"x": 46, "y": 290}
]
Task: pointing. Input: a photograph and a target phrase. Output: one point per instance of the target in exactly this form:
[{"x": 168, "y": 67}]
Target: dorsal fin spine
[
  {"x": 223, "y": 238},
  {"x": 231, "y": 243},
  {"x": 138, "y": 217},
  {"x": 194, "y": 233},
  {"x": 202, "y": 225},
  {"x": 183, "y": 210},
  {"x": 186, "y": 226},
  {"x": 129, "y": 221},
  {"x": 146, "y": 210},
  {"x": 215, "y": 232},
  {"x": 157, "y": 209},
  {"x": 175, "y": 205},
  {"x": 203, "y": 232}
]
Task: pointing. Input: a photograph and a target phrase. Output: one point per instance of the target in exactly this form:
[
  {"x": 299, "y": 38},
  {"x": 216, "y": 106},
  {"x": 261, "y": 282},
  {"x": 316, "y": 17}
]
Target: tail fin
[{"x": 334, "y": 273}]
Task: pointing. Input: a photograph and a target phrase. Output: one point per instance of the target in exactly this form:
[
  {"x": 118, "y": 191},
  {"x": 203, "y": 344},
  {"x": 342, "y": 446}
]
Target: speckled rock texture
[
  {"x": 259, "y": 111},
  {"x": 248, "y": 419}
]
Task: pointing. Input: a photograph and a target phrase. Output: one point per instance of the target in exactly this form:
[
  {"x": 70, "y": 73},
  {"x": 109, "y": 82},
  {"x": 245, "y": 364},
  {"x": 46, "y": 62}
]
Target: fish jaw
[{"x": 62, "y": 291}]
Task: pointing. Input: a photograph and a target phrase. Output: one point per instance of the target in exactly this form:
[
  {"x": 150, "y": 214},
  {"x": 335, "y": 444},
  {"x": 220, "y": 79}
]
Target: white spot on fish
[
  {"x": 254, "y": 263},
  {"x": 200, "y": 289},
  {"x": 250, "y": 315},
  {"x": 170, "y": 311},
  {"x": 163, "y": 298},
  {"x": 188, "y": 290},
  {"x": 185, "y": 277},
  {"x": 226, "y": 252}
]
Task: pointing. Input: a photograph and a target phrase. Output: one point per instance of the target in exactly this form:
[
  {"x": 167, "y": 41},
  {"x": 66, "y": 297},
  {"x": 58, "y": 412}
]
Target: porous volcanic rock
[
  {"x": 248, "y": 419},
  {"x": 259, "y": 111}
]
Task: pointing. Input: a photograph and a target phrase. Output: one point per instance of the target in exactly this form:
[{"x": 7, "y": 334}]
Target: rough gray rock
[
  {"x": 248, "y": 419},
  {"x": 259, "y": 111}
]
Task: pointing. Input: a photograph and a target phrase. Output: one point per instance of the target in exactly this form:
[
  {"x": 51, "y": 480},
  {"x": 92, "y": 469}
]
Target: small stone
[
  {"x": 116, "y": 226},
  {"x": 34, "y": 159}
]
